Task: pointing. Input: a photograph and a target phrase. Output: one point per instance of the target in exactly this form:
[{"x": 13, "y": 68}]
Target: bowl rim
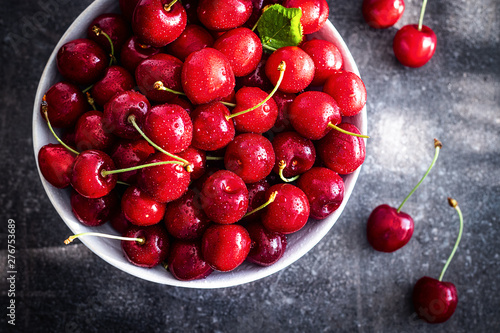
[{"x": 57, "y": 197}]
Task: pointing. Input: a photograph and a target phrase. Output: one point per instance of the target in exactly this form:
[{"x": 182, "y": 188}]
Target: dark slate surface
[{"x": 342, "y": 284}]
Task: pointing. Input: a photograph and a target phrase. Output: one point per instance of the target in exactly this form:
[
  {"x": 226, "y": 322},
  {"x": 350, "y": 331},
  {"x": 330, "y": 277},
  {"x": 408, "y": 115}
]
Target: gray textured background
[{"x": 342, "y": 284}]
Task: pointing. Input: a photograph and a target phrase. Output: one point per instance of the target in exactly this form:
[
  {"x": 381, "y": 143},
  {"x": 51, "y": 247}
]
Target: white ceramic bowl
[{"x": 299, "y": 243}]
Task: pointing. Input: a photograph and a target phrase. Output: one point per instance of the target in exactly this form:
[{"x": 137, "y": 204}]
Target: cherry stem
[
  {"x": 169, "y": 6},
  {"x": 281, "y": 68},
  {"x": 347, "y": 132},
  {"x": 437, "y": 145},
  {"x": 271, "y": 199},
  {"x": 122, "y": 183},
  {"x": 72, "y": 238},
  {"x": 131, "y": 119},
  {"x": 453, "y": 203},
  {"x": 91, "y": 101},
  {"x": 422, "y": 12},
  {"x": 267, "y": 47},
  {"x": 104, "y": 173},
  {"x": 46, "y": 114},
  {"x": 215, "y": 158},
  {"x": 282, "y": 166},
  {"x": 87, "y": 89},
  {"x": 160, "y": 86},
  {"x": 98, "y": 31}
]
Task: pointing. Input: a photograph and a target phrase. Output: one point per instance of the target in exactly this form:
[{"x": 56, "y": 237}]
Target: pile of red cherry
[{"x": 219, "y": 149}]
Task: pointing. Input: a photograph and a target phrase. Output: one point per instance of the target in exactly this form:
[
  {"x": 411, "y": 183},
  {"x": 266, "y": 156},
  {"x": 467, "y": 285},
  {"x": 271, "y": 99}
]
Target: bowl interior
[{"x": 299, "y": 243}]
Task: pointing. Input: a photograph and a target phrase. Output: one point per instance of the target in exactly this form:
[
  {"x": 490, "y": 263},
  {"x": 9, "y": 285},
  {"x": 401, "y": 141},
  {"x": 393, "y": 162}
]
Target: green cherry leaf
[{"x": 279, "y": 26}]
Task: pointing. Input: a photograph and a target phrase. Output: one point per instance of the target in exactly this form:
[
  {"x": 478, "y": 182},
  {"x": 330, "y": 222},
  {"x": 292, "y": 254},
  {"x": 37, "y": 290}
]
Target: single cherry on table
[{"x": 381, "y": 14}]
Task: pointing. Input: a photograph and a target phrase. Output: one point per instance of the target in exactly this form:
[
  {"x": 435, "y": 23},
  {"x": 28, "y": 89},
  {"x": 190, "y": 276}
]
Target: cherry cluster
[{"x": 219, "y": 149}]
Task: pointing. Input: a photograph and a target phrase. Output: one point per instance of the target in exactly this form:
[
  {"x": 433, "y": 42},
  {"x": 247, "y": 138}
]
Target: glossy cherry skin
[
  {"x": 296, "y": 151},
  {"x": 198, "y": 160},
  {"x": 185, "y": 261},
  {"x": 222, "y": 15},
  {"x": 140, "y": 209},
  {"x": 120, "y": 107},
  {"x": 164, "y": 183},
  {"x": 348, "y": 90},
  {"x": 156, "y": 26},
  {"x": 267, "y": 247},
  {"x": 116, "y": 79},
  {"x": 299, "y": 71},
  {"x": 324, "y": 189},
  {"x": 159, "y": 67},
  {"x": 92, "y": 131},
  {"x": 133, "y": 52},
  {"x": 259, "y": 120},
  {"x": 314, "y": 13},
  {"x": 65, "y": 103},
  {"x": 224, "y": 197},
  {"x": 184, "y": 217},
  {"x": 250, "y": 156},
  {"x": 150, "y": 254},
  {"x": 381, "y": 14},
  {"x": 86, "y": 177},
  {"x": 192, "y": 39},
  {"x": 311, "y": 112},
  {"x": 242, "y": 47},
  {"x": 435, "y": 301},
  {"x": 211, "y": 129},
  {"x": 414, "y": 48},
  {"x": 169, "y": 126},
  {"x": 283, "y": 102},
  {"x": 225, "y": 247},
  {"x": 341, "y": 152},
  {"x": 207, "y": 76},
  {"x": 256, "y": 198},
  {"x": 326, "y": 57},
  {"x": 115, "y": 26},
  {"x": 288, "y": 212},
  {"x": 94, "y": 212},
  {"x": 82, "y": 61},
  {"x": 120, "y": 223},
  {"x": 56, "y": 164},
  {"x": 387, "y": 230},
  {"x": 128, "y": 154}
]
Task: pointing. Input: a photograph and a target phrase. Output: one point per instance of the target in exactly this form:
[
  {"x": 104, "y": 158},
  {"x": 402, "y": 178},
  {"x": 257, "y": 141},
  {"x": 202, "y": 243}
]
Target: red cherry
[
  {"x": 192, "y": 39},
  {"x": 211, "y": 129},
  {"x": 222, "y": 15},
  {"x": 256, "y": 78},
  {"x": 224, "y": 197},
  {"x": 87, "y": 178},
  {"x": 184, "y": 217},
  {"x": 242, "y": 47},
  {"x": 133, "y": 52},
  {"x": 348, "y": 90},
  {"x": 435, "y": 301},
  {"x": 169, "y": 126},
  {"x": 326, "y": 57},
  {"x": 140, "y": 209},
  {"x": 185, "y": 261},
  {"x": 288, "y": 212},
  {"x": 381, "y": 14},
  {"x": 324, "y": 189},
  {"x": 225, "y": 247},
  {"x": 82, "y": 61},
  {"x": 116, "y": 79},
  {"x": 256, "y": 198},
  {"x": 164, "y": 183},
  {"x": 152, "y": 251},
  {"x": 311, "y": 113},
  {"x": 130, "y": 154},
  {"x": 115, "y": 26},
  {"x": 158, "y": 22},
  {"x": 163, "y": 68},
  {"x": 341, "y": 152},
  {"x": 259, "y": 120},
  {"x": 198, "y": 160},
  {"x": 297, "y": 152},
  {"x": 120, "y": 107},
  {"x": 56, "y": 164},
  {"x": 314, "y": 13},
  {"x": 250, "y": 156},
  {"x": 92, "y": 131},
  {"x": 207, "y": 76},
  {"x": 93, "y": 212},
  {"x": 413, "y": 47},
  {"x": 267, "y": 247},
  {"x": 283, "y": 102},
  {"x": 299, "y": 71},
  {"x": 389, "y": 230},
  {"x": 64, "y": 103},
  {"x": 120, "y": 223}
]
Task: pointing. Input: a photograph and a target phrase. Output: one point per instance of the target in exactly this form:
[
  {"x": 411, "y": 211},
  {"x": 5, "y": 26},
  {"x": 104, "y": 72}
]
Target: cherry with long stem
[
  {"x": 271, "y": 199},
  {"x": 98, "y": 31},
  {"x": 105, "y": 173},
  {"x": 98, "y": 234},
  {"x": 335, "y": 127},
  {"x": 453, "y": 203},
  {"x": 282, "y": 166},
  {"x": 158, "y": 85},
  {"x": 422, "y": 12},
  {"x": 46, "y": 114}
]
